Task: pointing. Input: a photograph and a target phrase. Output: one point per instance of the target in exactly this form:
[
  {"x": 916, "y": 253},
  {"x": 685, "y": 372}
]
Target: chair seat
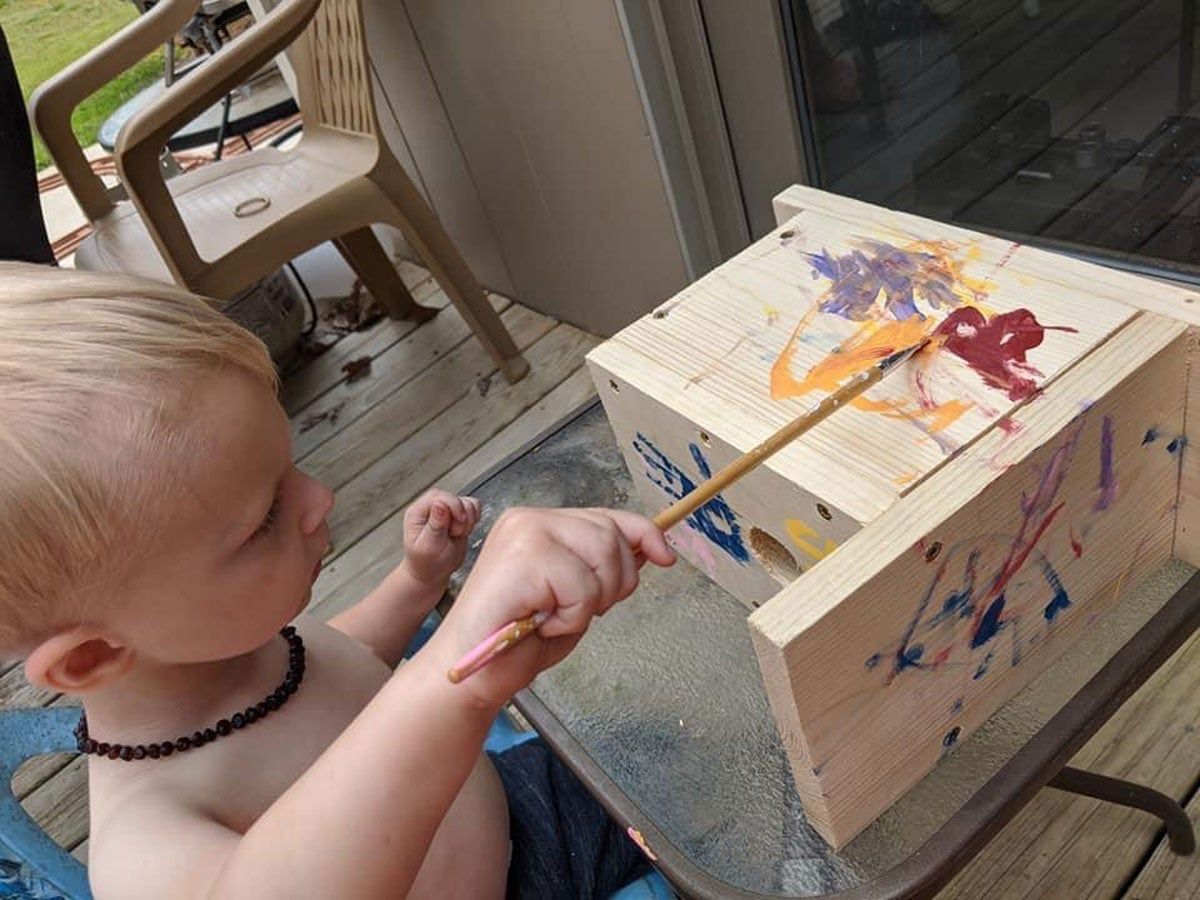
[{"x": 224, "y": 205}]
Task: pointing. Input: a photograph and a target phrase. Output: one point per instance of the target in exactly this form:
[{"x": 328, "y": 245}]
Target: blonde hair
[{"x": 95, "y": 371}]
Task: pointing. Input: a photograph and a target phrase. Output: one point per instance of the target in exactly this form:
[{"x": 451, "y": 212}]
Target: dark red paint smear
[{"x": 995, "y": 348}]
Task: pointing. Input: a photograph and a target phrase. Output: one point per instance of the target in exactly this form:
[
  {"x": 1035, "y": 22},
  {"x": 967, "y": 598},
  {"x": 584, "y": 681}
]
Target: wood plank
[
  {"x": 358, "y": 570},
  {"x": 17, "y": 693},
  {"x": 1076, "y": 95},
  {"x": 37, "y": 771},
  {"x": 715, "y": 352},
  {"x": 324, "y": 372},
  {"x": 1063, "y": 845},
  {"x": 1059, "y": 273},
  {"x": 1187, "y": 517},
  {"x": 396, "y": 478},
  {"x": 978, "y": 40},
  {"x": 1020, "y": 72},
  {"x": 391, "y": 370},
  {"x": 60, "y": 805},
  {"x": 1167, "y": 875},
  {"x": 922, "y": 625},
  {"x": 356, "y": 444}
]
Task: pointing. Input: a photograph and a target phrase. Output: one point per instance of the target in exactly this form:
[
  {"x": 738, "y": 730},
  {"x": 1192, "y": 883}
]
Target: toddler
[{"x": 157, "y": 550}]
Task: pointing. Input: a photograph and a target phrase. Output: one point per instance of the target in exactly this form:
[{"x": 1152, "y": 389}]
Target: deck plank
[
  {"x": 361, "y": 567},
  {"x": 396, "y": 478},
  {"x": 415, "y": 354},
  {"x": 359, "y": 443},
  {"x": 1166, "y": 875},
  {"x": 1062, "y": 845}
]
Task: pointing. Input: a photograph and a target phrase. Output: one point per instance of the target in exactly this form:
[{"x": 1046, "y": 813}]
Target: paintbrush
[{"x": 505, "y": 637}]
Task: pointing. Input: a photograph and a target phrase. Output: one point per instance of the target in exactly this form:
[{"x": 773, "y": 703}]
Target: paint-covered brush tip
[{"x": 901, "y": 355}]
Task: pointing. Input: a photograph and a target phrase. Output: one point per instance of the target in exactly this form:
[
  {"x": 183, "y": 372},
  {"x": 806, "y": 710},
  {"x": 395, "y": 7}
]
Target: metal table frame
[{"x": 1040, "y": 763}]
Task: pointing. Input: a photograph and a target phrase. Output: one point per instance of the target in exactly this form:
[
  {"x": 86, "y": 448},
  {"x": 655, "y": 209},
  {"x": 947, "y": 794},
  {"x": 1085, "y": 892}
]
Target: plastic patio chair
[
  {"x": 33, "y": 866},
  {"x": 224, "y": 226}
]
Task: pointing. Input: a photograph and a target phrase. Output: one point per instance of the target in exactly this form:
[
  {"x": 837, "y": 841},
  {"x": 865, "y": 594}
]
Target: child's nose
[{"x": 318, "y": 501}]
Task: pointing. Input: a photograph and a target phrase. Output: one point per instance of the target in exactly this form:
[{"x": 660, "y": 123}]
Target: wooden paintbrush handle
[{"x": 685, "y": 506}]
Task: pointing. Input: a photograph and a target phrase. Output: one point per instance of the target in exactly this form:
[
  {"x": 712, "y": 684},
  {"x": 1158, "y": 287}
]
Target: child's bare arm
[
  {"x": 436, "y": 529},
  {"x": 360, "y": 820}
]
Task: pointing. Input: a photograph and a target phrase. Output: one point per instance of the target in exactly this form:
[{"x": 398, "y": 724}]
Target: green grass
[{"x": 45, "y": 35}]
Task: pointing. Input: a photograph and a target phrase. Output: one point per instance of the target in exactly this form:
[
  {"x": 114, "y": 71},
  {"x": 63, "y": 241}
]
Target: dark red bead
[
  {"x": 273, "y": 702},
  {"x": 153, "y": 751},
  {"x": 91, "y": 746},
  {"x": 102, "y": 748},
  {"x": 126, "y": 753},
  {"x": 224, "y": 727},
  {"x": 167, "y": 748},
  {"x": 209, "y": 735},
  {"x": 114, "y": 751},
  {"x": 262, "y": 708},
  {"x": 288, "y": 630},
  {"x": 139, "y": 752},
  {"x": 250, "y": 714},
  {"x": 197, "y": 739},
  {"x": 183, "y": 744},
  {"x": 238, "y": 721}
]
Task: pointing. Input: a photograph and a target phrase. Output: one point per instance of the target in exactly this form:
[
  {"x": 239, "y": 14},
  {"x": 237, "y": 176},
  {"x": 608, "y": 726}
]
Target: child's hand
[
  {"x": 436, "y": 529},
  {"x": 571, "y": 563}
]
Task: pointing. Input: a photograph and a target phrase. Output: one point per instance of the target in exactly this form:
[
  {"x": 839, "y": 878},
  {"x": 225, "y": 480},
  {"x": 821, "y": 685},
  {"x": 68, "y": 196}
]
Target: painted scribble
[
  {"x": 899, "y": 295},
  {"x": 995, "y": 347},
  {"x": 715, "y": 520},
  {"x": 1107, "y": 488},
  {"x": 969, "y": 604}
]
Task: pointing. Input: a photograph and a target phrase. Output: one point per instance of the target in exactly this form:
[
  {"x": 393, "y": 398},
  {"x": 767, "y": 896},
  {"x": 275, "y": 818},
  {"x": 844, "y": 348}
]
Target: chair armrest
[
  {"x": 147, "y": 131},
  {"x": 52, "y": 103}
]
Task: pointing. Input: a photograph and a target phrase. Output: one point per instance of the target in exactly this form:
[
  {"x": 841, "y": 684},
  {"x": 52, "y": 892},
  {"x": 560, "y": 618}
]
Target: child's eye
[{"x": 268, "y": 520}]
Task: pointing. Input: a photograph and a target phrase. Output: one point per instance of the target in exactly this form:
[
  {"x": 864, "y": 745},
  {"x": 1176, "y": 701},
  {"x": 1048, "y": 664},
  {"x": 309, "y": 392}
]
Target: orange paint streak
[{"x": 873, "y": 342}]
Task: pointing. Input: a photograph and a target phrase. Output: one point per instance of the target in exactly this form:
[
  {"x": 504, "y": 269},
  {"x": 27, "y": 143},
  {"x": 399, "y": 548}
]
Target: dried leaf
[{"x": 357, "y": 368}]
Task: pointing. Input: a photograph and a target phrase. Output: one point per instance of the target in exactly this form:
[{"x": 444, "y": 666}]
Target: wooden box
[{"x": 922, "y": 554}]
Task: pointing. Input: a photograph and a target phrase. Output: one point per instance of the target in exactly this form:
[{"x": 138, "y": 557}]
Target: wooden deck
[
  {"x": 432, "y": 410},
  {"x": 928, "y": 141}
]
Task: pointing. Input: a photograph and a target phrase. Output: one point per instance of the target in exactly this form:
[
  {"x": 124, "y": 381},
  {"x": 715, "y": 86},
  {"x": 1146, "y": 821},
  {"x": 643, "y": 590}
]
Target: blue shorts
[{"x": 564, "y": 845}]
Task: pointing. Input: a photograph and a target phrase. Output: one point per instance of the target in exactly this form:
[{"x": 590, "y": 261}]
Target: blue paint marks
[
  {"x": 715, "y": 520},
  {"x": 961, "y": 603},
  {"x": 1151, "y": 436},
  {"x": 1060, "y": 600},
  {"x": 874, "y": 660},
  {"x": 951, "y": 737},
  {"x": 909, "y": 657},
  {"x": 1108, "y": 480},
  {"x": 984, "y": 666},
  {"x": 989, "y": 625},
  {"x": 1177, "y": 445}
]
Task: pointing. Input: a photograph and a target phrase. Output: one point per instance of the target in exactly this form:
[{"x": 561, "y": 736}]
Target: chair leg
[
  {"x": 1136, "y": 796},
  {"x": 427, "y": 236},
  {"x": 361, "y": 249}
]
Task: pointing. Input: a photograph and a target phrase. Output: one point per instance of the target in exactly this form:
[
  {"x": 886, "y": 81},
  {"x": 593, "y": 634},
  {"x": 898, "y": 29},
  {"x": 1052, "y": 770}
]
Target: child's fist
[
  {"x": 436, "y": 529},
  {"x": 571, "y": 564}
]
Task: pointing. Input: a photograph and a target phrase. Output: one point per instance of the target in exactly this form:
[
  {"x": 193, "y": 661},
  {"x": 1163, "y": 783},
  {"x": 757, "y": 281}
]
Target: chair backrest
[
  {"x": 333, "y": 72},
  {"x": 31, "y": 864}
]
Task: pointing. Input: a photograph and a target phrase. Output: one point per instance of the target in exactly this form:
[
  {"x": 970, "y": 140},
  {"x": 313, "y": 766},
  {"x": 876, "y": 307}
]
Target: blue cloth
[{"x": 564, "y": 845}]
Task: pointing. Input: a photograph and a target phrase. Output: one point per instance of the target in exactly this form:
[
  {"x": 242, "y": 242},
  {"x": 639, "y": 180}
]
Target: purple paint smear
[
  {"x": 1108, "y": 480},
  {"x": 860, "y": 275}
]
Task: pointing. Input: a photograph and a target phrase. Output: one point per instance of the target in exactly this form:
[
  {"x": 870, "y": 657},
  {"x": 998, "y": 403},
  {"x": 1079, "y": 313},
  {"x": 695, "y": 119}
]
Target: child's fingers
[
  {"x": 577, "y": 591},
  {"x": 642, "y": 534},
  {"x": 438, "y": 520},
  {"x": 474, "y": 509}
]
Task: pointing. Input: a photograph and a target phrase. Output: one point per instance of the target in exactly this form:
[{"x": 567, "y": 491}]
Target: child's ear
[{"x": 76, "y": 661}]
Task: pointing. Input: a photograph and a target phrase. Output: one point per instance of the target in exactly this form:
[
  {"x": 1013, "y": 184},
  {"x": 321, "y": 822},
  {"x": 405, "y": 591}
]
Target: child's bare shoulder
[{"x": 196, "y": 805}]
